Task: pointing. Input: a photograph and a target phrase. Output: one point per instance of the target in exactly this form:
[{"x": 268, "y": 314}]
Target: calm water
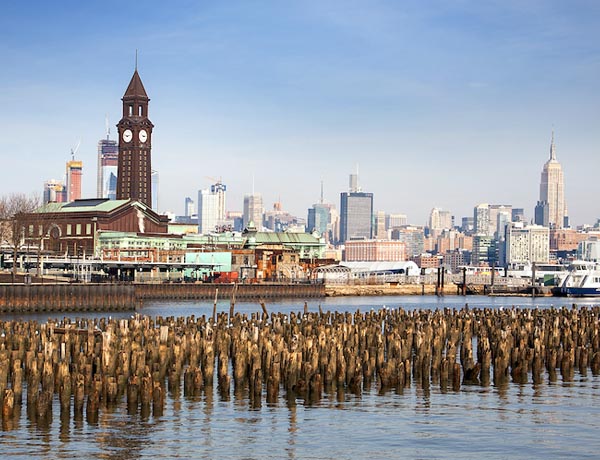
[{"x": 551, "y": 420}]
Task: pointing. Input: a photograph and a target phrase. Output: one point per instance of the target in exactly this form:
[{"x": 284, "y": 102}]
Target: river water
[{"x": 555, "y": 419}]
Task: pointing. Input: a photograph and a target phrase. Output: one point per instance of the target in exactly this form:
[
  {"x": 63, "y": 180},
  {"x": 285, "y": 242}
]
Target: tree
[{"x": 14, "y": 222}]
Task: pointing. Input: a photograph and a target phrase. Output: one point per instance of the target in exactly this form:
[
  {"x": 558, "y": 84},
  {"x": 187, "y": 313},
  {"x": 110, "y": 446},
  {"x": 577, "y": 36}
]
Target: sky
[{"x": 442, "y": 104}]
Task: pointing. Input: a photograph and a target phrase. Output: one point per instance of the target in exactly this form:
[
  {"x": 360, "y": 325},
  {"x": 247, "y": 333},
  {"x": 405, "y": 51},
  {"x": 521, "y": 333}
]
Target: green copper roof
[
  {"x": 96, "y": 205},
  {"x": 284, "y": 238}
]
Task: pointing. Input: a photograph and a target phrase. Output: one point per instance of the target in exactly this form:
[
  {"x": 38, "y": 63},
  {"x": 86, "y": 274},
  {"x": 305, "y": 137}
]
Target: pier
[
  {"x": 56, "y": 297},
  {"x": 83, "y": 366}
]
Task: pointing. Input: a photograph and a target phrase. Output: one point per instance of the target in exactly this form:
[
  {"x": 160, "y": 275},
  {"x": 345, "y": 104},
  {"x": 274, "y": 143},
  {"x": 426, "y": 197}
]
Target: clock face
[
  {"x": 127, "y": 135},
  {"x": 143, "y": 135}
]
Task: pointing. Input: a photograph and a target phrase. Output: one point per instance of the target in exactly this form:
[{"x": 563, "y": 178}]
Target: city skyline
[{"x": 436, "y": 100}]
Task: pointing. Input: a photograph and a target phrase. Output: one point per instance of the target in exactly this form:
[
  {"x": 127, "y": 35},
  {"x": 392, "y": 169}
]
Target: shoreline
[{"x": 389, "y": 290}]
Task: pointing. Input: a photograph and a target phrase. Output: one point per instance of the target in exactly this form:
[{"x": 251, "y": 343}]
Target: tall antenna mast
[
  {"x": 321, "y": 190},
  {"x": 136, "y": 51},
  {"x": 107, "y": 126}
]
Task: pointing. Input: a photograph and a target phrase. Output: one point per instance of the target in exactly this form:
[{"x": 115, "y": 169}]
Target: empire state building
[{"x": 551, "y": 209}]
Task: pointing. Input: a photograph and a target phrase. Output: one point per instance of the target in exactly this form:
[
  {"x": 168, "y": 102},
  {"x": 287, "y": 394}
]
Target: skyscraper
[
  {"x": 54, "y": 191},
  {"x": 134, "y": 179},
  {"x": 208, "y": 209},
  {"x": 552, "y": 191},
  {"x": 527, "y": 243},
  {"x": 74, "y": 173},
  {"x": 253, "y": 210},
  {"x": 108, "y": 165},
  {"x": 220, "y": 190},
  {"x": 356, "y": 213},
  {"x": 481, "y": 219},
  {"x": 154, "y": 194},
  {"x": 440, "y": 219},
  {"x": 189, "y": 207}
]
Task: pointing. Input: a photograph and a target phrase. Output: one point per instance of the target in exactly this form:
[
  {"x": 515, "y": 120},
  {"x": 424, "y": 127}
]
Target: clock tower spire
[{"x": 135, "y": 135}]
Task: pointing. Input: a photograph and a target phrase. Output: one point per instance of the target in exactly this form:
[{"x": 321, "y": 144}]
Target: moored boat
[{"x": 583, "y": 280}]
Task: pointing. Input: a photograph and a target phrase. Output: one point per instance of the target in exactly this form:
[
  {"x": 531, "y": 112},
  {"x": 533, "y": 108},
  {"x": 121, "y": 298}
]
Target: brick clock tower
[{"x": 135, "y": 138}]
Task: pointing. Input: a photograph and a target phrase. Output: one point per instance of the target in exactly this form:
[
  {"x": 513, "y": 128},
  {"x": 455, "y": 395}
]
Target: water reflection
[{"x": 545, "y": 414}]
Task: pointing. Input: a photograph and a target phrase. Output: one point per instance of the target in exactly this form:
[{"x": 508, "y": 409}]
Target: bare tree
[
  {"x": 16, "y": 224},
  {"x": 41, "y": 233},
  {"x": 4, "y": 224}
]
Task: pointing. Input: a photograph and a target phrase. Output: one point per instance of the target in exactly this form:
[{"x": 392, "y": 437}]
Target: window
[
  {"x": 140, "y": 112},
  {"x": 69, "y": 229},
  {"x": 88, "y": 229},
  {"x": 130, "y": 110},
  {"x": 78, "y": 229}
]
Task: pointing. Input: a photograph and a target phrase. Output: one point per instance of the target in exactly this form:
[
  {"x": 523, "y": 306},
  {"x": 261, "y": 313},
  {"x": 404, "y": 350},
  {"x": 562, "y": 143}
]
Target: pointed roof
[
  {"x": 136, "y": 88},
  {"x": 552, "y": 148}
]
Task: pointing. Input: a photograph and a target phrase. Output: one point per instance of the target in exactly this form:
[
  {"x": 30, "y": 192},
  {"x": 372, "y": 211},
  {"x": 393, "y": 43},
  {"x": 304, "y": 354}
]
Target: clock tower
[{"x": 135, "y": 140}]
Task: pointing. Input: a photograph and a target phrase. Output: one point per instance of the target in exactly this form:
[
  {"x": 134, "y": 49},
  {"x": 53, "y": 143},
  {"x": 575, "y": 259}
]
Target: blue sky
[{"x": 440, "y": 103}]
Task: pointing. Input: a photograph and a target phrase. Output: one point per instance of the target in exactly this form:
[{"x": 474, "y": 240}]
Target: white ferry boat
[
  {"x": 583, "y": 280},
  {"x": 543, "y": 272}
]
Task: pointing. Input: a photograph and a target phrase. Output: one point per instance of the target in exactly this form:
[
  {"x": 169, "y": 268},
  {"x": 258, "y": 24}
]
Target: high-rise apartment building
[
  {"x": 486, "y": 220},
  {"x": 208, "y": 211},
  {"x": 481, "y": 219},
  {"x": 54, "y": 191},
  {"x": 220, "y": 190},
  {"x": 414, "y": 237},
  {"x": 134, "y": 177},
  {"x": 108, "y": 166},
  {"x": 552, "y": 192},
  {"x": 189, "y": 207},
  {"x": 482, "y": 253},
  {"x": 74, "y": 174},
  {"x": 154, "y": 194},
  {"x": 253, "y": 211},
  {"x": 381, "y": 232},
  {"x": 527, "y": 243},
  {"x": 500, "y": 215}
]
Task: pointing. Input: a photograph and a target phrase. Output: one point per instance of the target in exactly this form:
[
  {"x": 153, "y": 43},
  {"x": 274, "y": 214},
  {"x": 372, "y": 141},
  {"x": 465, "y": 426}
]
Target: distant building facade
[
  {"x": 74, "y": 176},
  {"x": 395, "y": 221},
  {"x": 253, "y": 210},
  {"x": 154, "y": 180},
  {"x": 208, "y": 211},
  {"x": 482, "y": 253},
  {"x": 413, "y": 237},
  {"x": 189, "y": 207},
  {"x": 381, "y": 231},
  {"x": 527, "y": 243},
  {"x": 108, "y": 166},
  {"x": 356, "y": 216},
  {"x": 440, "y": 220},
  {"x": 374, "y": 251},
  {"x": 54, "y": 192}
]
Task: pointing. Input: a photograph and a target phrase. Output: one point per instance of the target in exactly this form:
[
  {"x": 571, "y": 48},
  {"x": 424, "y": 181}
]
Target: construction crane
[
  {"x": 214, "y": 179},
  {"x": 75, "y": 150}
]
